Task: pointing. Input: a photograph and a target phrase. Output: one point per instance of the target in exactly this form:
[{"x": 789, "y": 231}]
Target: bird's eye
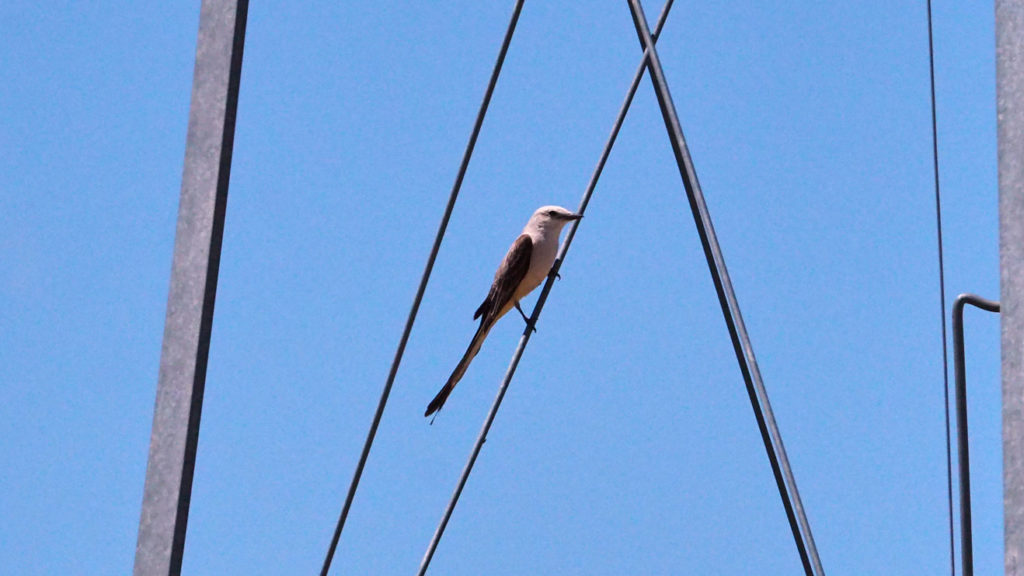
[{"x": 551, "y": 212}]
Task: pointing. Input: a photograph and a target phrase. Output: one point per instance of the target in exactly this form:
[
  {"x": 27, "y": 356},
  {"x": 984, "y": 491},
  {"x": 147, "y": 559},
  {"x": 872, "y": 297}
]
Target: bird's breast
[{"x": 542, "y": 257}]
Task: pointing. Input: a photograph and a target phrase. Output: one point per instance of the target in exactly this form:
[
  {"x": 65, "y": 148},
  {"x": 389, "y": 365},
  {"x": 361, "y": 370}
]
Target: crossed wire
[{"x": 730, "y": 308}]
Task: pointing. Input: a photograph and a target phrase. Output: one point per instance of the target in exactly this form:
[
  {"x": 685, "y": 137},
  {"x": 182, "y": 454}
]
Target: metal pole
[
  {"x": 962, "y": 447},
  {"x": 525, "y": 338},
  {"x": 770, "y": 434},
  {"x": 1010, "y": 114},
  {"x": 189, "y": 320}
]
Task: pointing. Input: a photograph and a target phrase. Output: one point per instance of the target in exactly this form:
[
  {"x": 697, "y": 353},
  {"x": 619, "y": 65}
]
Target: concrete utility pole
[
  {"x": 1010, "y": 115},
  {"x": 189, "y": 321}
]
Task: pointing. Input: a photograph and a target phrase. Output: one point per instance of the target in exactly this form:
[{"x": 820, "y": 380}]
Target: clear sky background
[{"x": 626, "y": 443}]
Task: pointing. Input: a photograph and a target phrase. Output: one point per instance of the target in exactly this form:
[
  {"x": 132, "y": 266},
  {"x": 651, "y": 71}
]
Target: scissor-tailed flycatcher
[{"x": 525, "y": 266}]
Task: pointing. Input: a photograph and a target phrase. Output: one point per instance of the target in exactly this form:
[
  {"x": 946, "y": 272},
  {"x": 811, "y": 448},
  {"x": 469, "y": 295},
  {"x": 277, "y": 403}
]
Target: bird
[{"x": 525, "y": 266}]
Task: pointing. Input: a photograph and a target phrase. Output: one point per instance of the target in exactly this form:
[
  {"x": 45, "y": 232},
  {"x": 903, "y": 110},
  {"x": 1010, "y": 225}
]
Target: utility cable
[
  {"x": 423, "y": 286},
  {"x": 758, "y": 395},
  {"x": 525, "y": 338},
  {"x": 942, "y": 293}
]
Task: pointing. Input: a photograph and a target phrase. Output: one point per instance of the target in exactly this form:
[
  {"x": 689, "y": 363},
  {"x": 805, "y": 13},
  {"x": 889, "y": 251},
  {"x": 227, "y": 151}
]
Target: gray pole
[
  {"x": 189, "y": 320},
  {"x": 1010, "y": 115}
]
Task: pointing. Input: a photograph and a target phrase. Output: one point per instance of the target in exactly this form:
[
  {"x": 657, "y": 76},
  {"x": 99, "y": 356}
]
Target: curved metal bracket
[{"x": 962, "y": 448}]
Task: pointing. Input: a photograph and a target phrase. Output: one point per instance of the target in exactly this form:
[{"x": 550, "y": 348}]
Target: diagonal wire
[
  {"x": 423, "y": 285},
  {"x": 942, "y": 293},
  {"x": 770, "y": 434},
  {"x": 525, "y": 338}
]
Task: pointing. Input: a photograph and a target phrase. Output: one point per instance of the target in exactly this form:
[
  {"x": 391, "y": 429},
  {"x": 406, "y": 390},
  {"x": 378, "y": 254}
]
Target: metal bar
[
  {"x": 525, "y": 338},
  {"x": 962, "y": 447},
  {"x": 193, "y": 287},
  {"x": 1010, "y": 114},
  {"x": 730, "y": 309},
  {"x": 385, "y": 393}
]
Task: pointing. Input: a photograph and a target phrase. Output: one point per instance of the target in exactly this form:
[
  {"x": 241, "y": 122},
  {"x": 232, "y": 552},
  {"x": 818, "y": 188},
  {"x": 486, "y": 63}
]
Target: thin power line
[
  {"x": 525, "y": 338},
  {"x": 942, "y": 292},
  {"x": 423, "y": 285}
]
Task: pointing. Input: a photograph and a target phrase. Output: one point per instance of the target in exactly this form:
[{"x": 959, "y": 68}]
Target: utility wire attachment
[
  {"x": 770, "y": 434},
  {"x": 423, "y": 285},
  {"x": 525, "y": 338},
  {"x": 962, "y": 446}
]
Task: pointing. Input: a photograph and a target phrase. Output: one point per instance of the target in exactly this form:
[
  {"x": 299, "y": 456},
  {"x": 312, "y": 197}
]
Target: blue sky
[{"x": 626, "y": 443}]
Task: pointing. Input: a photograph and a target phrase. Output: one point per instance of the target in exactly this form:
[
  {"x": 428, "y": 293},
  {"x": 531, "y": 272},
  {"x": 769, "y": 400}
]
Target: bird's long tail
[{"x": 460, "y": 369}]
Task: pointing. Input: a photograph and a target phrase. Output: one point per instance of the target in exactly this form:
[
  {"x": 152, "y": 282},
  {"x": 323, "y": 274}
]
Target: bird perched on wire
[{"x": 525, "y": 266}]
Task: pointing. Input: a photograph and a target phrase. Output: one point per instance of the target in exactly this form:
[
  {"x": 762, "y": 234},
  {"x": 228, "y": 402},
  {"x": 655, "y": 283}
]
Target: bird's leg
[{"x": 525, "y": 319}]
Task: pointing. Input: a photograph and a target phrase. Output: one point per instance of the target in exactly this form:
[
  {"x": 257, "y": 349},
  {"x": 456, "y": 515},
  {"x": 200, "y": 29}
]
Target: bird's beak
[{"x": 572, "y": 217}]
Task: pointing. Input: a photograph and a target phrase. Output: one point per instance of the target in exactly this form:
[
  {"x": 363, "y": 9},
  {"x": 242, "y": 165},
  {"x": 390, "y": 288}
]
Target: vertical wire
[
  {"x": 423, "y": 286},
  {"x": 942, "y": 293}
]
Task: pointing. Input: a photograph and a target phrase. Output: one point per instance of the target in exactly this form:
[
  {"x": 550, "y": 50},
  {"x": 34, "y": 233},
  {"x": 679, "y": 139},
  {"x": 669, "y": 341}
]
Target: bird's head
[{"x": 552, "y": 218}]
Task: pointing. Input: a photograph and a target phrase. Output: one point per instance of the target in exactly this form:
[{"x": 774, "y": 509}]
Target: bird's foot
[{"x": 525, "y": 319}]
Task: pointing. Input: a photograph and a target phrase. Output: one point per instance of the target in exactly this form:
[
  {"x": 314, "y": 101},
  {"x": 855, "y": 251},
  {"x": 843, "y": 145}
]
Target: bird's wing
[{"x": 508, "y": 277}]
